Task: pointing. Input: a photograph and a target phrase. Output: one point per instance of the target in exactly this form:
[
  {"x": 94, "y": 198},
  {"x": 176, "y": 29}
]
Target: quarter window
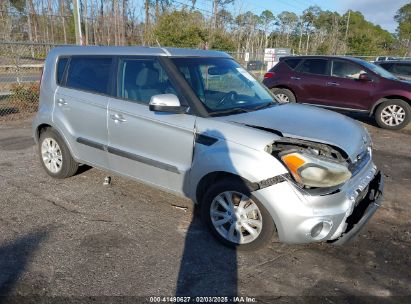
[
  {"x": 61, "y": 66},
  {"x": 346, "y": 70},
  {"x": 140, "y": 79},
  {"x": 293, "y": 62},
  {"x": 89, "y": 74},
  {"x": 314, "y": 66}
]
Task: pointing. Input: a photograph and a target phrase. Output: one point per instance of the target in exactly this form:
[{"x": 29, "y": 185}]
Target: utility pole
[
  {"x": 77, "y": 23},
  {"x": 346, "y": 31}
]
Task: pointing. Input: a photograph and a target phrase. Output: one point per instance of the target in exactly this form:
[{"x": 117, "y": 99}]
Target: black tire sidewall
[
  {"x": 397, "y": 102},
  {"x": 238, "y": 186},
  {"x": 68, "y": 161},
  {"x": 288, "y": 93}
]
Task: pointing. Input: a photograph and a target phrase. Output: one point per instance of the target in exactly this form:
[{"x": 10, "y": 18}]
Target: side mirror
[
  {"x": 364, "y": 77},
  {"x": 166, "y": 103}
]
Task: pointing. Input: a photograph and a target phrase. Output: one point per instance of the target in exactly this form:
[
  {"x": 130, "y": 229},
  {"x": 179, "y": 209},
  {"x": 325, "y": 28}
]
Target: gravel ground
[{"x": 77, "y": 238}]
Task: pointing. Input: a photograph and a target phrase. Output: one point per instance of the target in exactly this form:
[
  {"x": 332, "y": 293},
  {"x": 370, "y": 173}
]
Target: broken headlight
[{"x": 314, "y": 171}]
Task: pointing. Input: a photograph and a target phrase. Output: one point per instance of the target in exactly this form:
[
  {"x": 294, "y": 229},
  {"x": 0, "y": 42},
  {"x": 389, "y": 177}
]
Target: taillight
[{"x": 269, "y": 75}]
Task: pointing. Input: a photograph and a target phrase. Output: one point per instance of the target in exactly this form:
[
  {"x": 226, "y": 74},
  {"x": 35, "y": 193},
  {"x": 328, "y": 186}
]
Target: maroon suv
[{"x": 342, "y": 83}]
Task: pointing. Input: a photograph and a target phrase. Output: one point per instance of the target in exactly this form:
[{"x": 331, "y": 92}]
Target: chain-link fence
[
  {"x": 21, "y": 65},
  {"x": 20, "y": 70}
]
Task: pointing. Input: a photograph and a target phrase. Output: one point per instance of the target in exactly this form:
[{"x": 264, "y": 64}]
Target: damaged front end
[{"x": 331, "y": 182}]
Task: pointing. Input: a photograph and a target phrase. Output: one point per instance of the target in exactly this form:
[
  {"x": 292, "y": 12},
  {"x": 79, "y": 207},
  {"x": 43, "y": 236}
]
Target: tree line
[{"x": 184, "y": 24}]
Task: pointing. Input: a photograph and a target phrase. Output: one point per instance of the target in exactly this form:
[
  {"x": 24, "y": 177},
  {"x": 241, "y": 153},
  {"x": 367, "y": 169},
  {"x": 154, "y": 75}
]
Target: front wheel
[
  {"x": 235, "y": 217},
  {"x": 393, "y": 114}
]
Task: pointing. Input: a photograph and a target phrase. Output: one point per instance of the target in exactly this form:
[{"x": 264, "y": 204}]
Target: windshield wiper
[
  {"x": 263, "y": 106},
  {"x": 230, "y": 111}
]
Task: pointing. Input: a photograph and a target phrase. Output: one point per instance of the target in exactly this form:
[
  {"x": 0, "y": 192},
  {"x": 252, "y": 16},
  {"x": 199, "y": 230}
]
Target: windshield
[
  {"x": 223, "y": 86},
  {"x": 377, "y": 69}
]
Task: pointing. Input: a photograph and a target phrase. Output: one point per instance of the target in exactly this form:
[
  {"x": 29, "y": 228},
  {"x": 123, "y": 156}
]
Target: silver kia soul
[{"x": 196, "y": 124}]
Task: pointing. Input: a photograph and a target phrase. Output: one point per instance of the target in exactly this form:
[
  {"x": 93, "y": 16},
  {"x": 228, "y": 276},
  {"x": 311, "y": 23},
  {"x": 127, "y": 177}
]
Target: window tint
[
  {"x": 90, "y": 74},
  {"x": 402, "y": 68},
  {"x": 61, "y": 65},
  {"x": 292, "y": 63},
  {"x": 140, "y": 79},
  {"x": 387, "y": 66},
  {"x": 346, "y": 70},
  {"x": 314, "y": 66}
]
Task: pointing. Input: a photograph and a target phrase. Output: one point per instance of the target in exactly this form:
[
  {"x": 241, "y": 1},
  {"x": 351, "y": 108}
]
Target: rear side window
[
  {"x": 402, "y": 68},
  {"x": 314, "y": 66},
  {"x": 387, "y": 66},
  {"x": 61, "y": 66},
  {"x": 89, "y": 74},
  {"x": 292, "y": 63}
]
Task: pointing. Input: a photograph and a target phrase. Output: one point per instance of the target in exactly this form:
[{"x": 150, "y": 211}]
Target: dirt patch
[{"x": 16, "y": 143}]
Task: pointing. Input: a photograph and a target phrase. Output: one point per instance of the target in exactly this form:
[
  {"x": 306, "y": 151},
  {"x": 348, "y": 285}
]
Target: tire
[
  {"x": 64, "y": 166},
  {"x": 393, "y": 114},
  {"x": 284, "y": 95},
  {"x": 260, "y": 216}
]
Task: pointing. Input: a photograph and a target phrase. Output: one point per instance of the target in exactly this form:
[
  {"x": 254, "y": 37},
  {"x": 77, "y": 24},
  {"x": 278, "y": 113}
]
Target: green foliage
[
  {"x": 180, "y": 29},
  {"x": 222, "y": 42},
  {"x": 403, "y": 17}
]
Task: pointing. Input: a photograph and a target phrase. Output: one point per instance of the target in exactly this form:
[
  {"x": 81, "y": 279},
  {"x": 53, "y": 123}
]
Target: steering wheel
[{"x": 230, "y": 96}]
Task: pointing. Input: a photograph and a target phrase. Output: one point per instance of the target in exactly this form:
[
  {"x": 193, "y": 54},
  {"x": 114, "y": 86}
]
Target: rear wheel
[
  {"x": 393, "y": 114},
  {"x": 235, "y": 217},
  {"x": 284, "y": 95},
  {"x": 55, "y": 157}
]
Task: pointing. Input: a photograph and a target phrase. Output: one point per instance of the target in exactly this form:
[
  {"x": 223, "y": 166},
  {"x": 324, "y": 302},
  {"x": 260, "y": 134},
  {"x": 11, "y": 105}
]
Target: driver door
[{"x": 152, "y": 147}]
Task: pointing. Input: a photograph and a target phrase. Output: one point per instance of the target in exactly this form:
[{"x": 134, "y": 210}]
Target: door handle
[
  {"x": 118, "y": 118},
  {"x": 61, "y": 102},
  {"x": 295, "y": 78},
  {"x": 332, "y": 83}
]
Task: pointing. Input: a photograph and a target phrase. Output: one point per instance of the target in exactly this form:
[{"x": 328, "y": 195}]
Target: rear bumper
[{"x": 363, "y": 211}]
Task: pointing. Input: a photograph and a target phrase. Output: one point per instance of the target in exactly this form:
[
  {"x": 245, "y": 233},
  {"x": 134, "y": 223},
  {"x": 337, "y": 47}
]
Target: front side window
[
  {"x": 140, "y": 79},
  {"x": 314, "y": 66},
  {"x": 89, "y": 74},
  {"x": 346, "y": 70},
  {"x": 222, "y": 84}
]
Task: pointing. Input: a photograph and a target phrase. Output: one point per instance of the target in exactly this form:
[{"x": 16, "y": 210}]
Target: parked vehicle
[
  {"x": 384, "y": 58},
  {"x": 400, "y": 69},
  {"x": 195, "y": 123},
  {"x": 255, "y": 65},
  {"x": 342, "y": 83}
]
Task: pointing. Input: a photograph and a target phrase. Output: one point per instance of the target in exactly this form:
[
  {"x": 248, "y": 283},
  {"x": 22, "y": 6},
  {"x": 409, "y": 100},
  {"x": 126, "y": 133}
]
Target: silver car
[{"x": 197, "y": 124}]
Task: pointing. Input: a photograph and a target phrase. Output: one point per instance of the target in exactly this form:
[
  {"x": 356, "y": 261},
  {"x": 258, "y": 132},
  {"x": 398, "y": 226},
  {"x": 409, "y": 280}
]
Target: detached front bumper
[{"x": 363, "y": 211}]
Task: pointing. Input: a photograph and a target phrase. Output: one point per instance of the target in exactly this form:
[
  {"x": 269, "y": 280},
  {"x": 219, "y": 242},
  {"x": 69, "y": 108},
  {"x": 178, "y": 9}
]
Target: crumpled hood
[{"x": 309, "y": 123}]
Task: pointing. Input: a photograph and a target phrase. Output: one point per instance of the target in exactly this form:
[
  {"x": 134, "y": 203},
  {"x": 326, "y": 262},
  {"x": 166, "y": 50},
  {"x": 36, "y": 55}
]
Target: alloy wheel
[
  {"x": 393, "y": 115},
  {"x": 283, "y": 98},
  {"x": 51, "y": 155},
  {"x": 236, "y": 217}
]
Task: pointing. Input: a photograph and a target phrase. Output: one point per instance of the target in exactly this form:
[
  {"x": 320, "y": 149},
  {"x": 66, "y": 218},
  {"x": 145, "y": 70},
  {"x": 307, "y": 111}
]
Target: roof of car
[
  {"x": 320, "y": 56},
  {"x": 135, "y": 50}
]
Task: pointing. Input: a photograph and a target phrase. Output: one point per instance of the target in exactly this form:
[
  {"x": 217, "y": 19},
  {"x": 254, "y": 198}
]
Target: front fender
[{"x": 225, "y": 156}]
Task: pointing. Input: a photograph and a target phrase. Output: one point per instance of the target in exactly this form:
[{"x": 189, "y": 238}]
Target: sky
[{"x": 379, "y": 12}]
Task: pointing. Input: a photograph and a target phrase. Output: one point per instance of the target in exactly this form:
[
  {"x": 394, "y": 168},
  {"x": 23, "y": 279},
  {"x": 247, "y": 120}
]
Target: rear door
[
  {"x": 345, "y": 88},
  {"x": 310, "y": 78},
  {"x": 80, "y": 109},
  {"x": 153, "y": 147}
]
